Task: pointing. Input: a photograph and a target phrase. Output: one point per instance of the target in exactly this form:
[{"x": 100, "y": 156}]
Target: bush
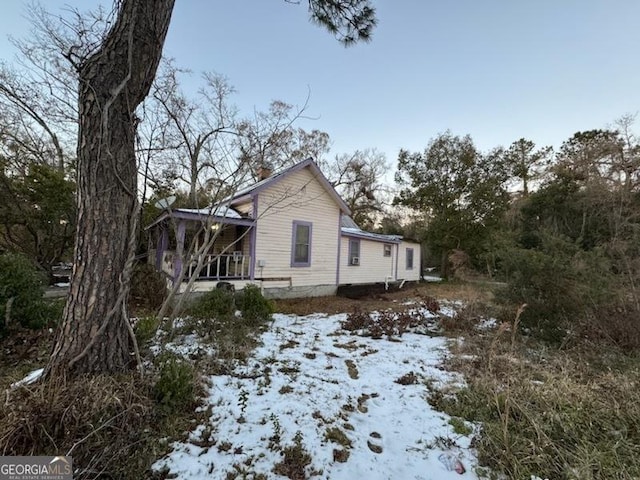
[
  {"x": 566, "y": 289},
  {"x": 217, "y": 303},
  {"x": 253, "y": 305},
  {"x": 148, "y": 287},
  {"x": 175, "y": 387},
  {"x": 547, "y": 281},
  {"x": 146, "y": 328},
  {"x": 21, "y": 290}
]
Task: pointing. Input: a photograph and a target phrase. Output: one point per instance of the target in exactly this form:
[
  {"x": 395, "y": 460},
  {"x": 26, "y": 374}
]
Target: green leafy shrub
[
  {"x": 217, "y": 303},
  {"x": 146, "y": 328},
  {"x": 545, "y": 280},
  {"x": 148, "y": 287},
  {"x": 51, "y": 310},
  {"x": 253, "y": 305},
  {"x": 21, "y": 290},
  {"x": 175, "y": 387},
  {"x": 565, "y": 288}
]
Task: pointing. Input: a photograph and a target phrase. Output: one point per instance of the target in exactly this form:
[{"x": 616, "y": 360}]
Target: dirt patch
[
  {"x": 407, "y": 379},
  {"x": 373, "y": 447},
  {"x": 340, "y": 455},
  {"x": 467, "y": 292},
  {"x": 353, "y": 370}
]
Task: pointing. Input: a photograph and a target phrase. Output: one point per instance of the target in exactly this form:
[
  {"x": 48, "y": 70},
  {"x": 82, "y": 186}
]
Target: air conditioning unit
[{"x": 355, "y": 260}]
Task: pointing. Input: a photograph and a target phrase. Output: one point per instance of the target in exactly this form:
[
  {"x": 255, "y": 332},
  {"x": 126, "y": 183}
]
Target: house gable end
[{"x": 247, "y": 194}]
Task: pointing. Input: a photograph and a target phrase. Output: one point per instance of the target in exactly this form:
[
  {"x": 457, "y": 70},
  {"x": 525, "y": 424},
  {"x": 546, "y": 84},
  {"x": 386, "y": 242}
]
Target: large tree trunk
[{"x": 95, "y": 335}]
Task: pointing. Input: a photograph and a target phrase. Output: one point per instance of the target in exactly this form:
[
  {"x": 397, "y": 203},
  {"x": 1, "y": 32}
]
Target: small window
[
  {"x": 409, "y": 258},
  {"x": 354, "y": 252},
  {"x": 387, "y": 250},
  {"x": 301, "y": 244}
]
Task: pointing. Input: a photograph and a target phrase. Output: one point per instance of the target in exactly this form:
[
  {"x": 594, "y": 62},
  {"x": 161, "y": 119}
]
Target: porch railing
[{"x": 233, "y": 266}]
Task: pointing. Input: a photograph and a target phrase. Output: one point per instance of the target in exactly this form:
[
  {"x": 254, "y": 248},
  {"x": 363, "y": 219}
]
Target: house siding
[
  {"x": 403, "y": 273},
  {"x": 297, "y": 197},
  {"x": 374, "y": 266}
]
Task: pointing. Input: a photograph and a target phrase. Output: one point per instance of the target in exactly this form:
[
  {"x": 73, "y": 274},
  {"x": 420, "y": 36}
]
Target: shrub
[
  {"x": 546, "y": 281},
  {"x": 148, "y": 287},
  {"x": 146, "y": 328},
  {"x": 217, "y": 303},
  {"x": 357, "y": 320},
  {"x": 175, "y": 387},
  {"x": 253, "y": 305},
  {"x": 21, "y": 290}
]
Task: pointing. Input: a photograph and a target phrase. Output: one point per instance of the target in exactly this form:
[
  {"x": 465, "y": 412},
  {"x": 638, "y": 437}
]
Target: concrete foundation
[{"x": 300, "y": 292}]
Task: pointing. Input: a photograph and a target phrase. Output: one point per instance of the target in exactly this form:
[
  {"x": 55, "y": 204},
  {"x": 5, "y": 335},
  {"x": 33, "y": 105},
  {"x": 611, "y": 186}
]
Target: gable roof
[{"x": 248, "y": 193}]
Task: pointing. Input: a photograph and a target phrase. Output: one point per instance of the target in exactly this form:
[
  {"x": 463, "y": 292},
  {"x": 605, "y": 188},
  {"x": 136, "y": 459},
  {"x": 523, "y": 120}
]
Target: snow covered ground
[{"x": 337, "y": 392}]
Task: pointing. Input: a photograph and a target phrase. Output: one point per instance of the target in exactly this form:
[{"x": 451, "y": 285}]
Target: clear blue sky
[{"x": 496, "y": 69}]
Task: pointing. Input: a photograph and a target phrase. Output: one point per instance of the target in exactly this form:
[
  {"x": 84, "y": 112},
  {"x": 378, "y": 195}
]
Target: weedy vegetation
[{"x": 117, "y": 426}]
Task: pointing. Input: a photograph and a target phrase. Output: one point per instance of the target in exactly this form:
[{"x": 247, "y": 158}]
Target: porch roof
[{"x": 216, "y": 214}]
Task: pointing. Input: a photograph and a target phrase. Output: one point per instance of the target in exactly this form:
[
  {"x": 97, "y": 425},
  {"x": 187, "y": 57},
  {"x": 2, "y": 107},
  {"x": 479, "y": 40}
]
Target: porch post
[
  {"x": 252, "y": 240},
  {"x": 397, "y": 252},
  {"x": 161, "y": 245},
  {"x": 179, "y": 249},
  {"x": 339, "y": 248}
]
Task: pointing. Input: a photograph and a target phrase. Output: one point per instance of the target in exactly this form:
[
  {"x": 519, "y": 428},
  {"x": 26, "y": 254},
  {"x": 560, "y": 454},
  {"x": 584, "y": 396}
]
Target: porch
[
  {"x": 210, "y": 244},
  {"x": 235, "y": 266}
]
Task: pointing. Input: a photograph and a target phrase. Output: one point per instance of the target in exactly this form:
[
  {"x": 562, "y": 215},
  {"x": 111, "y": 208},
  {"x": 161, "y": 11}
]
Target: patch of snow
[
  {"x": 310, "y": 375},
  {"x": 29, "y": 379},
  {"x": 61, "y": 284},
  {"x": 431, "y": 278},
  {"x": 487, "y": 324},
  {"x": 215, "y": 210},
  {"x": 186, "y": 346}
]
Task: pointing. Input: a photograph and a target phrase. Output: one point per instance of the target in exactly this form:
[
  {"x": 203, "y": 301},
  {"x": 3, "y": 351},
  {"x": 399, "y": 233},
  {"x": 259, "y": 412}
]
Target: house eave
[
  {"x": 369, "y": 236},
  {"x": 200, "y": 217}
]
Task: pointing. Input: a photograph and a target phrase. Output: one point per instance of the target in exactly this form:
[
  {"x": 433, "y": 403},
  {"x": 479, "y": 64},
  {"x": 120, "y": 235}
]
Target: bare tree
[
  {"x": 358, "y": 177},
  {"x": 269, "y": 138},
  {"x": 199, "y": 131}
]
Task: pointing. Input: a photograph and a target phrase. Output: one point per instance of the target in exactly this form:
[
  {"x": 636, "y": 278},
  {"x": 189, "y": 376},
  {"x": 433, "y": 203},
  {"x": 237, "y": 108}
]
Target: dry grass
[
  {"x": 562, "y": 414},
  {"x": 109, "y": 424},
  {"x": 466, "y": 318},
  {"x": 295, "y": 460},
  {"x": 467, "y": 292}
]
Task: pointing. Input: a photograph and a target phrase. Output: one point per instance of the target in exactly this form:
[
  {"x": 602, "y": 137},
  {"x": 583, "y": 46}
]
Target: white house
[{"x": 290, "y": 233}]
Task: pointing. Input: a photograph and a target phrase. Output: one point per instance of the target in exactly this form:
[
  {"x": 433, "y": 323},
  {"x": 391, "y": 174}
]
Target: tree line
[{"x": 559, "y": 227}]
